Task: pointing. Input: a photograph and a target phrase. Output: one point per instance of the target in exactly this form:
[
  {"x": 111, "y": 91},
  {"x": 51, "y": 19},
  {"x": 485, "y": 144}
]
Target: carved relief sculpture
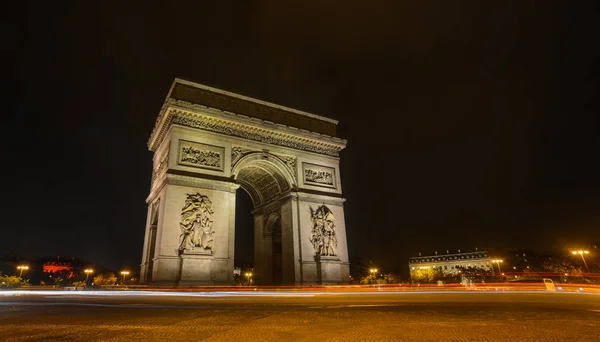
[
  {"x": 196, "y": 224},
  {"x": 319, "y": 175},
  {"x": 213, "y": 125},
  {"x": 237, "y": 153},
  {"x": 291, "y": 163},
  {"x": 323, "y": 236},
  {"x": 200, "y": 155},
  {"x": 195, "y": 156},
  {"x": 162, "y": 166}
]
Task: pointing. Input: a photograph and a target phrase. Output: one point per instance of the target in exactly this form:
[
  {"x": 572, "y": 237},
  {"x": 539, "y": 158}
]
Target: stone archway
[
  {"x": 269, "y": 182},
  {"x": 263, "y": 175},
  {"x": 207, "y": 143}
]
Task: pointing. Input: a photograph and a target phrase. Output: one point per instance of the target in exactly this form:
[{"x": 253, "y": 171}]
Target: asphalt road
[{"x": 268, "y": 316}]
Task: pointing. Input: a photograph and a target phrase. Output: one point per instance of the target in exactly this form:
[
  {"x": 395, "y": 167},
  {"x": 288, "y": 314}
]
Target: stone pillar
[
  {"x": 260, "y": 265},
  {"x": 267, "y": 248},
  {"x": 197, "y": 266},
  {"x": 144, "y": 271},
  {"x": 314, "y": 268},
  {"x": 231, "y": 246},
  {"x": 289, "y": 243}
]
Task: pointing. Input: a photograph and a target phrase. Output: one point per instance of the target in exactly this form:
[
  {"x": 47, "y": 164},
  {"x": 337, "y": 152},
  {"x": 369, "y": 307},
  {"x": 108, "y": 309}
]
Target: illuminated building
[
  {"x": 59, "y": 266},
  {"x": 451, "y": 263}
]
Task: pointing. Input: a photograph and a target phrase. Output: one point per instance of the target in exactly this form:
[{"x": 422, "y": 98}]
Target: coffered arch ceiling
[{"x": 263, "y": 181}]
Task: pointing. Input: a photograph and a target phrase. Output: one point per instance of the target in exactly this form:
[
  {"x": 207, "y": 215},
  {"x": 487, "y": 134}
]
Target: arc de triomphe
[{"x": 207, "y": 143}]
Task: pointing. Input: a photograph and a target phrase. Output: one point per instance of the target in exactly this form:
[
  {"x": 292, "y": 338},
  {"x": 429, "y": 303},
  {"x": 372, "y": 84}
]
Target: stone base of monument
[
  {"x": 193, "y": 268},
  {"x": 329, "y": 270},
  {"x": 196, "y": 268}
]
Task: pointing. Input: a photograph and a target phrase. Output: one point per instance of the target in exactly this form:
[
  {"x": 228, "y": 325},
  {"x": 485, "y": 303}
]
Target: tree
[
  {"x": 61, "y": 277},
  {"x": 475, "y": 274},
  {"x": 389, "y": 278},
  {"x": 12, "y": 281},
  {"x": 560, "y": 265},
  {"x": 426, "y": 275},
  {"x": 105, "y": 279},
  {"x": 59, "y": 280}
]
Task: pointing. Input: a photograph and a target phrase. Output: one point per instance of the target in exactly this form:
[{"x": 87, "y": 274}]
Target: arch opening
[
  {"x": 244, "y": 230},
  {"x": 264, "y": 177},
  {"x": 267, "y": 180}
]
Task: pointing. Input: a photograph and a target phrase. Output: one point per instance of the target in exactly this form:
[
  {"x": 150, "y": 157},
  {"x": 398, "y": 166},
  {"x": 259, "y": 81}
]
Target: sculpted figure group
[
  {"x": 193, "y": 155},
  {"x": 196, "y": 223},
  {"x": 323, "y": 236},
  {"x": 321, "y": 177}
]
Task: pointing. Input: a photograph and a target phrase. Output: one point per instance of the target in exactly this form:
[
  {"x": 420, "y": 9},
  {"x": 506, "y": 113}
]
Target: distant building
[
  {"x": 65, "y": 266},
  {"x": 451, "y": 263},
  {"x": 524, "y": 261}
]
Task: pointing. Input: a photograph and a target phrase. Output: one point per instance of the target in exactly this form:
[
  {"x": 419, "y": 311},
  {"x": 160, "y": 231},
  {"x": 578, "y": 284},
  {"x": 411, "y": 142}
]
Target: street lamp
[
  {"x": 248, "y": 277},
  {"x": 373, "y": 274},
  {"x": 87, "y": 271},
  {"x": 124, "y": 274},
  {"x": 582, "y": 258},
  {"x": 22, "y": 268},
  {"x": 498, "y": 262}
]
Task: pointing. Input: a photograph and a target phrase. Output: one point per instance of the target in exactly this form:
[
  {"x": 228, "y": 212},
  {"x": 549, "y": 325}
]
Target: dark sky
[{"x": 468, "y": 123}]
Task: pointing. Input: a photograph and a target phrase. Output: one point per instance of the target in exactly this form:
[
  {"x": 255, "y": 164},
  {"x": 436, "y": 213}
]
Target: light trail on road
[{"x": 27, "y": 315}]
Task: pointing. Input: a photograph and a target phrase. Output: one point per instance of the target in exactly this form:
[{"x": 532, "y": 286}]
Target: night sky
[{"x": 468, "y": 123}]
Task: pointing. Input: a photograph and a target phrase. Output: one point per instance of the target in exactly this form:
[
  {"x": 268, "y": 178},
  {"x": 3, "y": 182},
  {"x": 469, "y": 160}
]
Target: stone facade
[
  {"x": 450, "y": 263},
  {"x": 203, "y": 154}
]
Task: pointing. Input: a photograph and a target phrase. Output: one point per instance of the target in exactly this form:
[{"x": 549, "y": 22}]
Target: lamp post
[
  {"x": 124, "y": 274},
  {"x": 373, "y": 274},
  {"x": 22, "y": 268},
  {"x": 248, "y": 277},
  {"x": 582, "y": 258},
  {"x": 498, "y": 262},
  {"x": 87, "y": 271}
]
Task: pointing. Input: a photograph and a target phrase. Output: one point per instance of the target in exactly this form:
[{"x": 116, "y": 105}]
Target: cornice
[
  {"x": 240, "y": 118},
  {"x": 182, "y": 89},
  {"x": 173, "y": 177},
  {"x": 323, "y": 199},
  {"x": 188, "y": 115}
]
